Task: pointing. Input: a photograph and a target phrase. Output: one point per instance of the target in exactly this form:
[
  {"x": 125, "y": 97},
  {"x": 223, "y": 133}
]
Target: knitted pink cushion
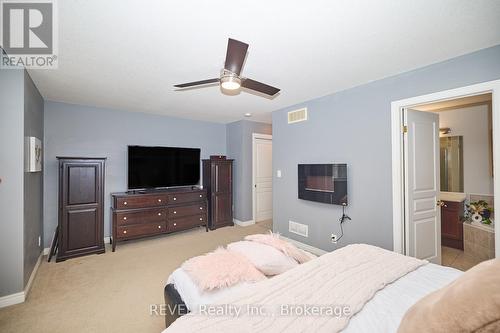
[{"x": 221, "y": 268}]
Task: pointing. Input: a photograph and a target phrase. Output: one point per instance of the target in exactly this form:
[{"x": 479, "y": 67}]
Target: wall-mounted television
[
  {"x": 325, "y": 183},
  {"x": 162, "y": 167}
]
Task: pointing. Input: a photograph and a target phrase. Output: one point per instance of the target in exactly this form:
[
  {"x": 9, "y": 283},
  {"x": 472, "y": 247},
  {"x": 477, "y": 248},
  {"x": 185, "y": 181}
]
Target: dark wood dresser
[
  {"x": 81, "y": 207},
  {"x": 218, "y": 181},
  {"x": 138, "y": 214},
  {"x": 452, "y": 231}
]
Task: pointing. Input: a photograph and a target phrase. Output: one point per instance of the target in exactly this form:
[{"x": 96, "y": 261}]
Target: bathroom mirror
[{"x": 452, "y": 164}]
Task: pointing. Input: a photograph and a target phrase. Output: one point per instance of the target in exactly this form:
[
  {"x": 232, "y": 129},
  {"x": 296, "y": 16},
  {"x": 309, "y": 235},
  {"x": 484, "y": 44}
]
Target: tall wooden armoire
[
  {"x": 81, "y": 207},
  {"x": 218, "y": 181}
]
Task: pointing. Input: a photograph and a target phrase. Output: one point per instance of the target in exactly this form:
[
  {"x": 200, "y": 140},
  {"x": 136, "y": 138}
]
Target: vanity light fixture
[{"x": 445, "y": 130}]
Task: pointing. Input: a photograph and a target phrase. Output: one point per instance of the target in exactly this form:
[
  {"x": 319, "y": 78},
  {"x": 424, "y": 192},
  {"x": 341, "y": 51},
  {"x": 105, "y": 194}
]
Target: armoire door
[
  {"x": 81, "y": 205},
  {"x": 222, "y": 193}
]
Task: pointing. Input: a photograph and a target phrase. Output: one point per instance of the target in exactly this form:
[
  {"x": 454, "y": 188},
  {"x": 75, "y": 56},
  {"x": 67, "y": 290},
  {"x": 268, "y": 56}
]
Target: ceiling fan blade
[
  {"x": 196, "y": 83},
  {"x": 260, "y": 87},
  {"x": 235, "y": 56}
]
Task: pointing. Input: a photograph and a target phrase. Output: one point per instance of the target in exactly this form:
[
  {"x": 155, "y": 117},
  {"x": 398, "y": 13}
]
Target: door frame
[
  {"x": 256, "y": 136},
  {"x": 399, "y": 222}
]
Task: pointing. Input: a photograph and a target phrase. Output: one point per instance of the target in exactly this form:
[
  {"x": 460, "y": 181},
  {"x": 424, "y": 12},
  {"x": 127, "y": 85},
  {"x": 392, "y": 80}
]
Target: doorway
[
  {"x": 262, "y": 177},
  {"x": 416, "y": 170}
]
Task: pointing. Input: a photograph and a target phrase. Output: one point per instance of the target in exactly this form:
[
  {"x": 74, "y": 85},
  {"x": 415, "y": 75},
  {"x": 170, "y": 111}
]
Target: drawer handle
[
  {"x": 175, "y": 212},
  {"x": 175, "y": 224},
  {"x": 124, "y": 217},
  {"x": 201, "y": 208},
  {"x": 201, "y": 196},
  {"x": 125, "y": 203},
  {"x": 124, "y": 231},
  {"x": 159, "y": 200},
  {"x": 201, "y": 218},
  {"x": 159, "y": 214},
  {"x": 175, "y": 198},
  {"x": 159, "y": 227}
]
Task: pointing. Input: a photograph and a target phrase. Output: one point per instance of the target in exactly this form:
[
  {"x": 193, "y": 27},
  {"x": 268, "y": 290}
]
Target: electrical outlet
[{"x": 334, "y": 238}]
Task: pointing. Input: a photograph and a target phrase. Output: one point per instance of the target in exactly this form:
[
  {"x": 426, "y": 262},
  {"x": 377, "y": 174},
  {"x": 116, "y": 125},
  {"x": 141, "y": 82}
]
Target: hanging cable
[{"x": 342, "y": 219}]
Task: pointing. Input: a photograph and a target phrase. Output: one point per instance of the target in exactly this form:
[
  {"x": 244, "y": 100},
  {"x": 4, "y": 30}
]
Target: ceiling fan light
[{"x": 230, "y": 82}]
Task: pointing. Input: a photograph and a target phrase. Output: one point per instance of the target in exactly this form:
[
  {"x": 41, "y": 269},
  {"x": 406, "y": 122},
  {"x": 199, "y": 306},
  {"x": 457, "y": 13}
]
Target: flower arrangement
[{"x": 479, "y": 211}]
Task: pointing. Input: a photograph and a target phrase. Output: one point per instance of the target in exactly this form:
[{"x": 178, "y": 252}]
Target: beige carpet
[{"x": 112, "y": 292}]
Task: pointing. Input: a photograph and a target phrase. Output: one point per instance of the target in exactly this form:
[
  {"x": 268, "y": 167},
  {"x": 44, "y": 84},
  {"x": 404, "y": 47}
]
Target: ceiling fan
[{"x": 230, "y": 78}]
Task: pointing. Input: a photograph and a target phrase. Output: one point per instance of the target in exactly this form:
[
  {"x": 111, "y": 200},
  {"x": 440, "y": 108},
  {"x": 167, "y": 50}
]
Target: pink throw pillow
[
  {"x": 221, "y": 268},
  {"x": 275, "y": 241},
  {"x": 265, "y": 258}
]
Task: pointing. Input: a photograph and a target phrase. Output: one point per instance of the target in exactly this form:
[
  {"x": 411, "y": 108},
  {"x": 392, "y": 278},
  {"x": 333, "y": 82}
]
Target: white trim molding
[
  {"x": 32, "y": 276},
  {"x": 305, "y": 247},
  {"x": 398, "y": 210},
  {"x": 243, "y": 223},
  {"x": 20, "y": 297},
  {"x": 12, "y": 299}
]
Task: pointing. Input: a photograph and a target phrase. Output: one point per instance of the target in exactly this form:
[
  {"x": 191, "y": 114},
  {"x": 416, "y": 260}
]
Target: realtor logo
[{"x": 28, "y": 34}]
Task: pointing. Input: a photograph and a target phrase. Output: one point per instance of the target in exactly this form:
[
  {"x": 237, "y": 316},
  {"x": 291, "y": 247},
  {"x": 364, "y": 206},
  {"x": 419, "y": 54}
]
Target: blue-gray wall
[
  {"x": 353, "y": 127},
  {"x": 33, "y": 181},
  {"x": 75, "y": 130},
  {"x": 239, "y": 148},
  {"x": 11, "y": 185}
]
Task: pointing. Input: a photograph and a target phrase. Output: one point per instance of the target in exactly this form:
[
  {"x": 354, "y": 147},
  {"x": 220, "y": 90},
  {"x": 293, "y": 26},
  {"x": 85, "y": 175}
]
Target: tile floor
[{"x": 457, "y": 259}]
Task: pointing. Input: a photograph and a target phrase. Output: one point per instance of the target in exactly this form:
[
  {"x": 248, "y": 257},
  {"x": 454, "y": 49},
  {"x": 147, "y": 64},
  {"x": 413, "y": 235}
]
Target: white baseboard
[
  {"x": 20, "y": 297},
  {"x": 11, "y": 299},
  {"x": 306, "y": 247},
  {"x": 32, "y": 276},
  {"x": 243, "y": 223}
]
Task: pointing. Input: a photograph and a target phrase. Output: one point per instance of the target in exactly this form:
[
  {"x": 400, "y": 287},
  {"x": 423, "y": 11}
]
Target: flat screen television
[{"x": 161, "y": 167}]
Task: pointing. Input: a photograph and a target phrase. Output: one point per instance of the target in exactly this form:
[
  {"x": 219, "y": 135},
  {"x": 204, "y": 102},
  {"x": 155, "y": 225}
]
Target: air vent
[
  {"x": 297, "y": 116},
  {"x": 298, "y": 228}
]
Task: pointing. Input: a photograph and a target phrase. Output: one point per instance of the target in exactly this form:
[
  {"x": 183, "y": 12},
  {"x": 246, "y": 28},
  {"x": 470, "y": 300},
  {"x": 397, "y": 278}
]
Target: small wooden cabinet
[
  {"x": 452, "y": 232},
  {"x": 218, "y": 181},
  {"x": 81, "y": 207},
  {"x": 141, "y": 214}
]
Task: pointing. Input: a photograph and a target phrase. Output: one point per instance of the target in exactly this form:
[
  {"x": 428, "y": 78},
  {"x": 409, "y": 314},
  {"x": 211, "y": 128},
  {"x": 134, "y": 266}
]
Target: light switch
[{"x": 278, "y": 173}]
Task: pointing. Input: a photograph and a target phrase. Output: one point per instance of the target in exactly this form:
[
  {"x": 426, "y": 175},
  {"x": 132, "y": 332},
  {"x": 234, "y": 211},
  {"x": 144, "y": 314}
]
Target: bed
[{"x": 382, "y": 311}]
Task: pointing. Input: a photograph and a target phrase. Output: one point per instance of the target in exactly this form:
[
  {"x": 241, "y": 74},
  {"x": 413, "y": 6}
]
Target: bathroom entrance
[
  {"x": 444, "y": 146},
  {"x": 466, "y": 195}
]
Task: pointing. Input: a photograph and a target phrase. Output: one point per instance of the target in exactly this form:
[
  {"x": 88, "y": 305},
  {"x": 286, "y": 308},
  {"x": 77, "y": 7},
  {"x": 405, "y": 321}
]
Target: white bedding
[
  {"x": 191, "y": 294},
  {"x": 382, "y": 313}
]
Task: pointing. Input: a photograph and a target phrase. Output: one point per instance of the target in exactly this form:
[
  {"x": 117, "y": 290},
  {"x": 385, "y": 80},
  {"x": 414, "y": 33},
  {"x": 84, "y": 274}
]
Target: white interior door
[
  {"x": 423, "y": 215},
  {"x": 263, "y": 179}
]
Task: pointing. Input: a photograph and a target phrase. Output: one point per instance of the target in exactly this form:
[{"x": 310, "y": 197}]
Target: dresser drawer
[
  {"x": 142, "y": 216},
  {"x": 186, "y": 222},
  {"x": 141, "y": 201},
  {"x": 138, "y": 230},
  {"x": 182, "y": 211},
  {"x": 186, "y": 197}
]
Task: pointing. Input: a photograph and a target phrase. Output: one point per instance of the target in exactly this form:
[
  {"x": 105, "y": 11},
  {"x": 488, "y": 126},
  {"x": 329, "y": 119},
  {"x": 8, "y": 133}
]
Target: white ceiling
[{"x": 128, "y": 54}]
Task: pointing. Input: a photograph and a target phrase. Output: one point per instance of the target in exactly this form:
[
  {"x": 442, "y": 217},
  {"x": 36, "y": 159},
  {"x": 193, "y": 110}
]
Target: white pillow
[{"x": 265, "y": 258}]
